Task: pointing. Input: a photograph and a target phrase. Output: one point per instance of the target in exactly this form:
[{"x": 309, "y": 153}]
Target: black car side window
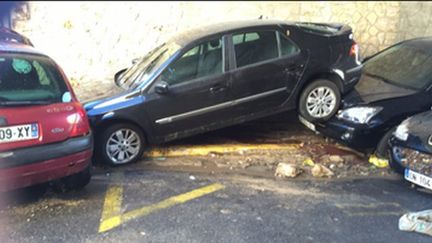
[
  {"x": 254, "y": 47},
  {"x": 287, "y": 46},
  {"x": 202, "y": 60}
]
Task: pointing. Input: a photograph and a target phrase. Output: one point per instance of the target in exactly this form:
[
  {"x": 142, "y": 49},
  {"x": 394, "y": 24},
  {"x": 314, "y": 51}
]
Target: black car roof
[
  {"x": 421, "y": 42},
  {"x": 190, "y": 35}
]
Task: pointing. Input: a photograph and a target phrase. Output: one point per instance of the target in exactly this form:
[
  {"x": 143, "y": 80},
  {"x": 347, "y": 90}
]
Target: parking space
[
  {"x": 185, "y": 207},
  {"x": 191, "y": 197}
]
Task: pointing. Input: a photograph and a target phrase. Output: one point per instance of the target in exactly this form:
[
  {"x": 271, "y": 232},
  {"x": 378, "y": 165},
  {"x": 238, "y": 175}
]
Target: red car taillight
[{"x": 79, "y": 122}]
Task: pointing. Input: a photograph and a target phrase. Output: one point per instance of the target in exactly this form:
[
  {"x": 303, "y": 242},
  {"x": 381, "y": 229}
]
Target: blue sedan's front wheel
[{"x": 120, "y": 144}]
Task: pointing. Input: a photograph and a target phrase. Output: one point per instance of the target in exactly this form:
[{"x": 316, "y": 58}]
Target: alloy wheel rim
[
  {"x": 123, "y": 146},
  {"x": 321, "y": 102}
]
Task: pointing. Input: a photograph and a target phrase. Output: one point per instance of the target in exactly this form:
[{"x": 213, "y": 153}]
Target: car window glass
[
  {"x": 254, "y": 47},
  {"x": 144, "y": 67},
  {"x": 205, "y": 60},
  {"x": 251, "y": 37},
  {"x": 193, "y": 51},
  {"x": 287, "y": 46},
  {"x": 241, "y": 38},
  {"x": 30, "y": 78},
  {"x": 402, "y": 65}
]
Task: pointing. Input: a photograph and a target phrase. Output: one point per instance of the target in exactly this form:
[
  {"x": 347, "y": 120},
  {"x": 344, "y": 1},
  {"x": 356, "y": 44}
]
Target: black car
[
  {"x": 411, "y": 149},
  {"x": 395, "y": 84},
  {"x": 221, "y": 75}
]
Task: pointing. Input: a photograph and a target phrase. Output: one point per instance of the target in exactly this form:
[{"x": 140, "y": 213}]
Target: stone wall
[{"x": 92, "y": 40}]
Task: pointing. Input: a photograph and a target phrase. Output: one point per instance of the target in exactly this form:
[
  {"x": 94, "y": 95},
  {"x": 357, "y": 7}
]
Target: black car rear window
[
  {"x": 25, "y": 77},
  {"x": 402, "y": 65}
]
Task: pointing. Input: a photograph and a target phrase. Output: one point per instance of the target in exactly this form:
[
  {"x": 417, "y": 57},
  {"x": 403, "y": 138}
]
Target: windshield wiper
[{"x": 24, "y": 102}]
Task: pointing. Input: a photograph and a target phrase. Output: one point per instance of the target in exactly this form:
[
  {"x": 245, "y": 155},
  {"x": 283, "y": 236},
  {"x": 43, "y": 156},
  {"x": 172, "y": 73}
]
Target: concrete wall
[{"x": 92, "y": 40}]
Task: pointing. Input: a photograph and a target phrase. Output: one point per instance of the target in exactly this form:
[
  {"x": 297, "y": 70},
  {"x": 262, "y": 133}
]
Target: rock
[
  {"x": 321, "y": 171},
  {"x": 336, "y": 159},
  {"x": 225, "y": 211},
  {"x": 287, "y": 170}
]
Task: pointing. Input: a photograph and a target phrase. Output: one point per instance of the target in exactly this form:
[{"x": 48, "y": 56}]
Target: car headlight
[
  {"x": 401, "y": 132},
  {"x": 361, "y": 115}
]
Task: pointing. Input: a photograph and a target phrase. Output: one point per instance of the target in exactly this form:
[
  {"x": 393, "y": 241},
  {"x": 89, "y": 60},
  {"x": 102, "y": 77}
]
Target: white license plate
[
  {"x": 19, "y": 133},
  {"x": 307, "y": 123},
  {"x": 418, "y": 179}
]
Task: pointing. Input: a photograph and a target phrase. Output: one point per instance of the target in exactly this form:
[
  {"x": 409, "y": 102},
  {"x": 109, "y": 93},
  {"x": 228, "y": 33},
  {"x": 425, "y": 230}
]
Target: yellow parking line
[
  {"x": 116, "y": 220},
  {"x": 204, "y": 150},
  {"x": 112, "y": 206}
]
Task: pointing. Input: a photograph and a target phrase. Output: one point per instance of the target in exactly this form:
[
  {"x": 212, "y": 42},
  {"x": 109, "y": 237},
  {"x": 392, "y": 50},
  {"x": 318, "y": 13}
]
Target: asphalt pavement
[
  {"x": 182, "y": 202},
  {"x": 243, "y": 209}
]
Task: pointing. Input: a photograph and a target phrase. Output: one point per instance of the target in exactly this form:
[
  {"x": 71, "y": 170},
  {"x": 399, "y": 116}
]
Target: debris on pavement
[
  {"x": 320, "y": 170},
  {"x": 225, "y": 211},
  {"x": 287, "y": 170},
  {"x": 336, "y": 159},
  {"x": 192, "y": 178},
  {"x": 378, "y": 162},
  {"x": 309, "y": 162},
  {"x": 420, "y": 222}
]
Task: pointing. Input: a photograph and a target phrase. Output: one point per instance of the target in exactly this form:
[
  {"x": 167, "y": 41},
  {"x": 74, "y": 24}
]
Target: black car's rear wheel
[
  {"x": 319, "y": 101},
  {"x": 121, "y": 143}
]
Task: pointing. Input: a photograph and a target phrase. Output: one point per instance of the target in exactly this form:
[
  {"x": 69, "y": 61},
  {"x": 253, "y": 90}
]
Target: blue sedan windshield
[{"x": 142, "y": 69}]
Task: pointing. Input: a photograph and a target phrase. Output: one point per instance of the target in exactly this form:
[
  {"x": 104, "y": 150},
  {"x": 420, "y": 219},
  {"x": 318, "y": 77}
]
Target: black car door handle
[
  {"x": 293, "y": 68},
  {"x": 217, "y": 89}
]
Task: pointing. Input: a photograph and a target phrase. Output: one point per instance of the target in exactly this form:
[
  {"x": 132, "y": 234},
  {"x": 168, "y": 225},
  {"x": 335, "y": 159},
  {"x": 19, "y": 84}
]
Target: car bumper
[
  {"x": 405, "y": 155},
  {"x": 359, "y": 137},
  {"x": 35, "y": 165}
]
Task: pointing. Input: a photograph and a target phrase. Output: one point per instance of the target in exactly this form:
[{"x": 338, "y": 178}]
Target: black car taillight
[{"x": 354, "y": 50}]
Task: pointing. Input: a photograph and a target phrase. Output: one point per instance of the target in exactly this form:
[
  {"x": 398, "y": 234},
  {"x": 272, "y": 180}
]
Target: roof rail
[{"x": 13, "y": 36}]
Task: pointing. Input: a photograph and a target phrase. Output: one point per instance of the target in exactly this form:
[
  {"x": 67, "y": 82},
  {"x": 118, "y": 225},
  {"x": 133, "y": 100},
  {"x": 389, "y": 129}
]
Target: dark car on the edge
[
  {"x": 411, "y": 149},
  {"x": 220, "y": 75},
  {"x": 395, "y": 84}
]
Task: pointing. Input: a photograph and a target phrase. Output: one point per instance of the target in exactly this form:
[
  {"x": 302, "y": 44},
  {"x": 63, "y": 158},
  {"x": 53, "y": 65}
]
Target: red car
[{"x": 44, "y": 130}]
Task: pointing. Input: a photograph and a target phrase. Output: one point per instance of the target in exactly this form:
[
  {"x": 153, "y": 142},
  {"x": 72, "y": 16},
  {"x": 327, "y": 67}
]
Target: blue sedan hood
[{"x": 110, "y": 92}]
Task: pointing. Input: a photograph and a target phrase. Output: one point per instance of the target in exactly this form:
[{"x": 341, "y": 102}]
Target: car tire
[
  {"x": 76, "y": 181},
  {"x": 324, "y": 90},
  {"x": 382, "y": 148},
  {"x": 395, "y": 166},
  {"x": 113, "y": 149}
]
